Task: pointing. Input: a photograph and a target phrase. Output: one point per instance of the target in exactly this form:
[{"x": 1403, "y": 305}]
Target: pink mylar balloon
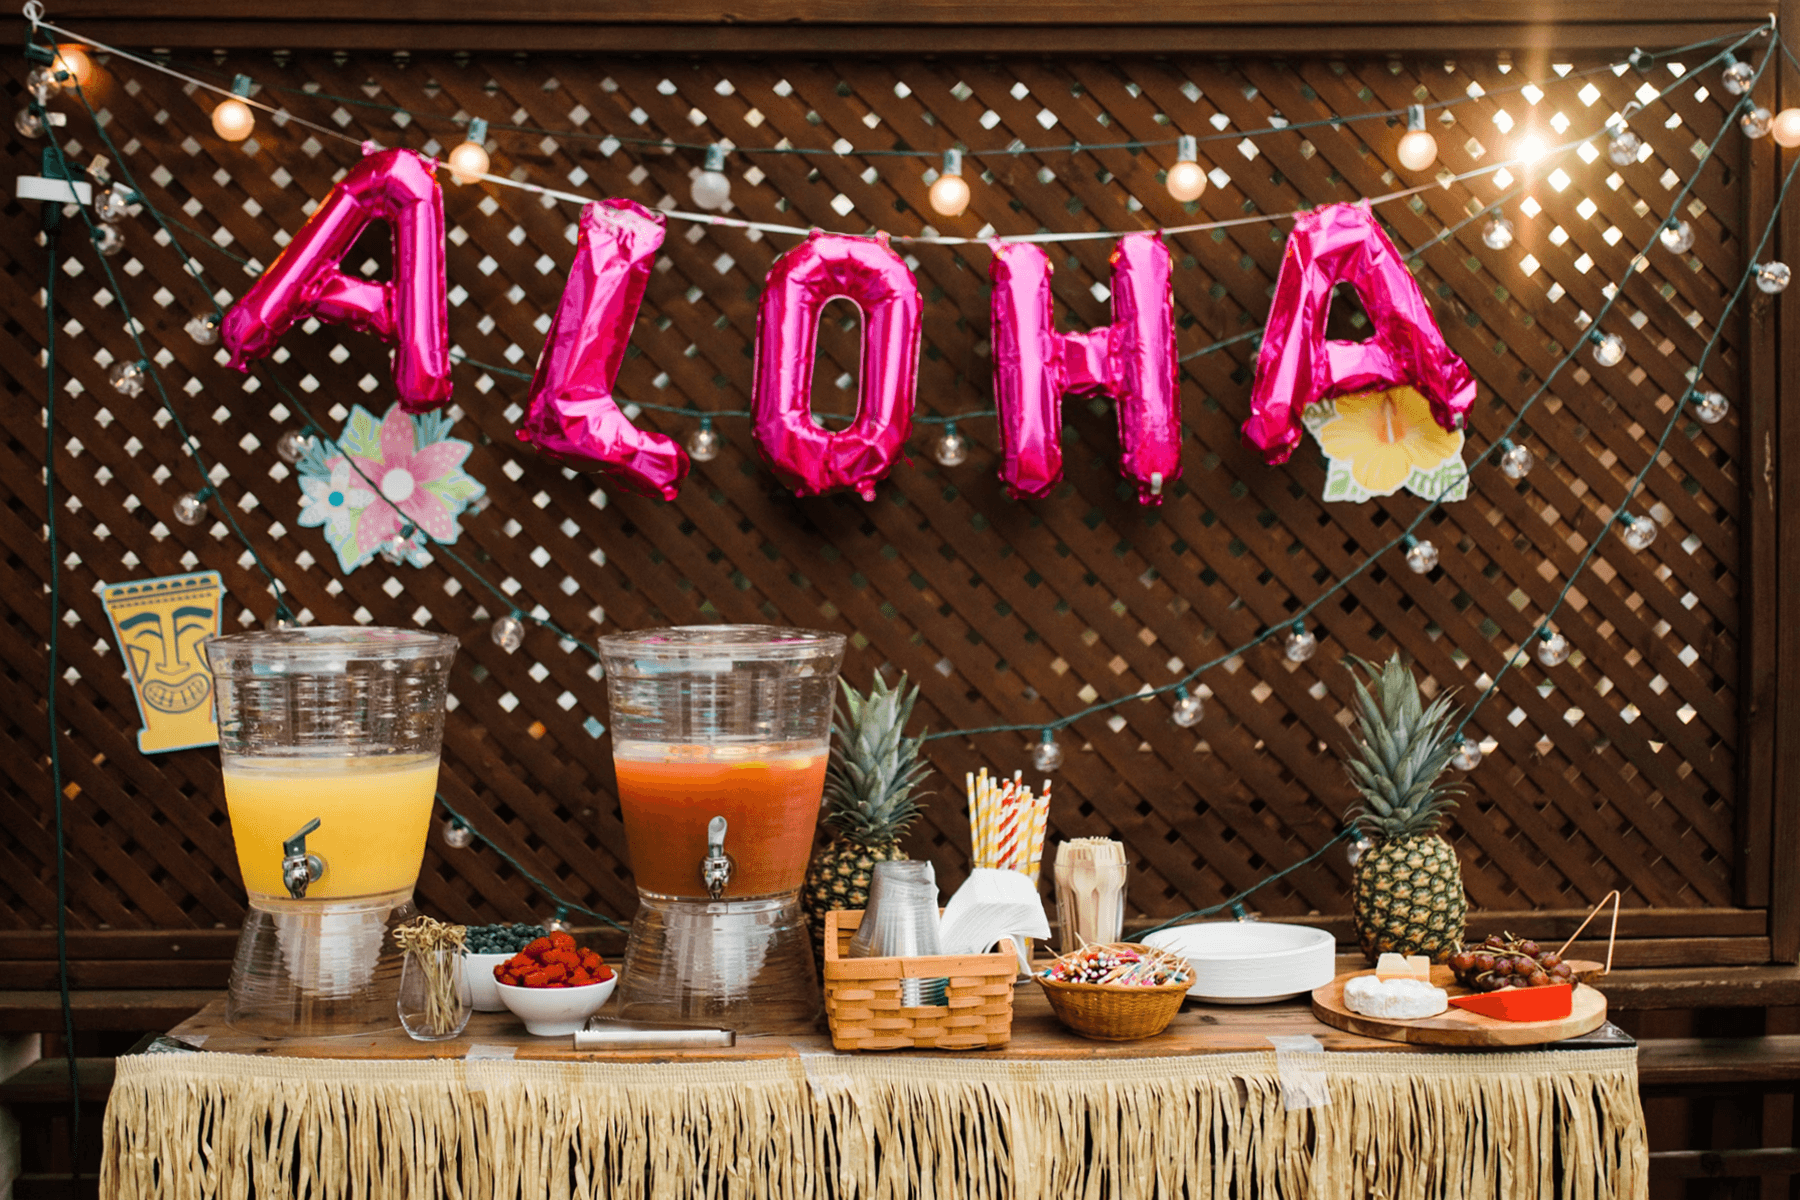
[
  {"x": 401, "y": 188},
  {"x": 1132, "y": 360},
  {"x": 823, "y": 268},
  {"x": 1298, "y": 366},
  {"x": 573, "y": 416}
]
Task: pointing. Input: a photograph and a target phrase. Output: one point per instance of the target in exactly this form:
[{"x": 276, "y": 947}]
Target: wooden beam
[
  {"x": 1720, "y": 1164},
  {"x": 1784, "y": 468}
]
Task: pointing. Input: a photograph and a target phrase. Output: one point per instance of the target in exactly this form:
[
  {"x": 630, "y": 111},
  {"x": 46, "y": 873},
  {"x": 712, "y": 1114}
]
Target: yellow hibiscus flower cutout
[{"x": 1384, "y": 436}]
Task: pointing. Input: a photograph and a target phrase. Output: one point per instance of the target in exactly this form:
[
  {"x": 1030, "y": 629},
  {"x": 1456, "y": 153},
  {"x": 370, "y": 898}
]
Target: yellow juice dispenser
[{"x": 328, "y": 741}]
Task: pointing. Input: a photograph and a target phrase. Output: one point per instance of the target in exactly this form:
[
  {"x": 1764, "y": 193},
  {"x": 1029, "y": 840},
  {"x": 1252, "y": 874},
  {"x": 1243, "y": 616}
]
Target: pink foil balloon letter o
[
  {"x": 823, "y": 268},
  {"x": 1132, "y": 360},
  {"x": 1298, "y": 366},
  {"x": 573, "y": 416},
  {"x": 401, "y": 188}
]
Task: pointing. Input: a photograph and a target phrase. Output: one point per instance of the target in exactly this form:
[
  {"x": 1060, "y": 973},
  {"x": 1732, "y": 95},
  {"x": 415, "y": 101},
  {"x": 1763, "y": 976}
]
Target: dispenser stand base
[
  {"x": 318, "y": 968},
  {"x": 732, "y": 964}
]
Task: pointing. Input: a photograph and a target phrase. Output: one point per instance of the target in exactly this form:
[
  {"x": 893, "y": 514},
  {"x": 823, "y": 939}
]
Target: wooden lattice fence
[{"x": 1618, "y": 769}]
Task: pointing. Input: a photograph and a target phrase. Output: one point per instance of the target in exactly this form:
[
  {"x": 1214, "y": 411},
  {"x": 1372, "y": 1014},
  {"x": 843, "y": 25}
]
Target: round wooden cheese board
[{"x": 1455, "y": 1026}]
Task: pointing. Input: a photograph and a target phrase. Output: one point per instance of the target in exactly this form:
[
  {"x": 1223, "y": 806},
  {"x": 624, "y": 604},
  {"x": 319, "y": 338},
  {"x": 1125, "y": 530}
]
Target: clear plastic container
[
  {"x": 720, "y": 737},
  {"x": 328, "y": 744}
]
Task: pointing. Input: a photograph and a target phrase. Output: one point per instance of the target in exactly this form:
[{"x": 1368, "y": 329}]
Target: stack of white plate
[{"x": 1252, "y": 962}]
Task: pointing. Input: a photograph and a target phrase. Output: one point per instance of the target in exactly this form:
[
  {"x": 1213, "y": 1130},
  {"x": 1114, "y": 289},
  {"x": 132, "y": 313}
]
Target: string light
[
  {"x": 1300, "y": 644},
  {"x": 1421, "y": 556},
  {"x": 232, "y": 118},
  {"x": 1677, "y": 237},
  {"x": 704, "y": 444},
  {"x": 469, "y": 161},
  {"x": 1623, "y": 146},
  {"x": 1737, "y": 76},
  {"x": 1353, "y": 851},
  {"x": 1552, "y": 647},
  {"x": 508, "y": 632},
  {"x": 952, "y": 449},
  {"x": 1609, "y": 348},
  {"x": 1773, "y": 277},
  {"x": 73, "y": 67},
  {"x": 1468, "y": 754},
  {"x": 1636, "y": 532},
  {"x": 1709, "y": 407},
  {"x": 1515, "y": 460},
  {"x": 1757, "y": 122},
  {"x": 1188, "y": 708},
  {"x": 1187, "y": 178},
  {"x": 28, "y": 123},
  {"x": 116, "y": 203},
  {"x": 292, "y": 445},
  {"x": 1417, "y": 149},
  {"x": 190, "y": 507},
  {"x": 560, "y": 922},
  {"x": 1786, "y": 128},
  {"x": 127, "y": 376},
  {"x": 458, "y": 836},
  {"x": 204, "y": 330},
  {"x": 1047, "y": 755},
  {"x": 950, "y": 191},
  {"x": 712, "y": 188},
  {"x": 108, "y": 239},
  {"x": 1497, "y": 234}
]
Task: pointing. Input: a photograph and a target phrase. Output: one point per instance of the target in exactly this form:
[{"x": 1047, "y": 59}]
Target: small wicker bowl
[{"x": 1112, "y": 1012}]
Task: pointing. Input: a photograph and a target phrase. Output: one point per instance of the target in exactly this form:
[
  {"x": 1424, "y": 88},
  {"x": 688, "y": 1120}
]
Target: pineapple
[
  {"x": 869, "y": 799},
  {"x": 1409, "y": 893}
]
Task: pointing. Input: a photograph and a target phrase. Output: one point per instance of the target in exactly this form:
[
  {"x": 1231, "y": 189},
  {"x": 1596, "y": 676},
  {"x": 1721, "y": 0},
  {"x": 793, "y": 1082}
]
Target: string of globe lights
[
  {"x": 1299, "y": 643},
  {"x": 1514, "y": 460}
]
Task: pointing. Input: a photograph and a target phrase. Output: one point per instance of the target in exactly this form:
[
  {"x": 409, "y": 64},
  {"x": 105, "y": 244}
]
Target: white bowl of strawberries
[{"x": 553, "y": 985}]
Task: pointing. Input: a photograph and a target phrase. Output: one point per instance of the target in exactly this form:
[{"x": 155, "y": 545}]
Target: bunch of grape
[
  {"x": 501, "y": 939},
  {"x": 1505, "y": 961}
]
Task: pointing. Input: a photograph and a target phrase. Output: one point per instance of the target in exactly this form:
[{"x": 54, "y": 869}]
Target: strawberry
[
  {"x": 535, "y": 979},
  {"x": 560, "y": 940},
  {"x": 538, "y": 946}
]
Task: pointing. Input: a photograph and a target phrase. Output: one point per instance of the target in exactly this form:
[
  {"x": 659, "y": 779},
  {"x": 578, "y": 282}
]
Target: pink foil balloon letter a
[
  {"x": 401, "y": 188},
  {"x": 1299, "y": 367},
  {"x": 823, "y": 268},
  {"x": 1132, "y": 360},
  {"x": 573, "y": 416}
]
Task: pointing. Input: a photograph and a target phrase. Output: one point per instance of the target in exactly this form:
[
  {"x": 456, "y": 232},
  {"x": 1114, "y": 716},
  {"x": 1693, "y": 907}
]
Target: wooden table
[{"x": 1204, "y": 1107}]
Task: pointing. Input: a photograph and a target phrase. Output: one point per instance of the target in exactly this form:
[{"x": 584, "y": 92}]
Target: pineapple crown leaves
[
  {"x": 874, "y": 767},
  {"x": 1403, "y": 748}
]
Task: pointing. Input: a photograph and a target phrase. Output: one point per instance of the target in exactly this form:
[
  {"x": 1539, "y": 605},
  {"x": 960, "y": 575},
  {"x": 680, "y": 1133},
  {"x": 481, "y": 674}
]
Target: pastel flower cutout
[{"x": 1384, "y": 436}]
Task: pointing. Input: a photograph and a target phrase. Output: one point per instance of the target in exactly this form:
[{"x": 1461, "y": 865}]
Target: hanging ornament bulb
[
  {"x": 560, "y": 922},
  {"x": 950, "y": 192},
  {"x": 469, "y": 160},
  {"x": 1187, "y": 178},
  {"x": 952, "y": 448},
  {"x": 127, "y": 376},
  {"x": 1421, "y": 556},
  {"x": 458, "y": 836},
  {"x": 1360, "y": 845},
  {"x": 1609, "y": 348},
  {"x": 1468, "y": 754},
  {"x": 1623, "y": 147},
  {"x": 1497, "y": 234},
  {"x": 190, "y": 508},
  {"x": 704, "y": 444},
  {"x": 1637, "y": 532},
  {"x": 1047, "y": 755},
  {"x": 1188, "y": 708},
  {"x": 204, "y": 330},
  {"x": 108, "y": 239},
  {"x": 232, "y": 119},
  {"x": 1709, "y": 407},
  {"x": 508, "y": 632},
  {"x": 1417, "y": 149},
  {"x": 116, "y": 203},
  {"x": 1757, "y": 122},
  {"x": 1515, "y": 460},
  {"x": 1773, "y": 277},
  {"x": 1677, "y": 237},
  {"x": 1300, "y": 644},
  {"x": 1552, "y": 647},
  {"x": 1737, "y": 76},
  {"x": 712, "y": 188},
  {"x": 292, "y": 445}
]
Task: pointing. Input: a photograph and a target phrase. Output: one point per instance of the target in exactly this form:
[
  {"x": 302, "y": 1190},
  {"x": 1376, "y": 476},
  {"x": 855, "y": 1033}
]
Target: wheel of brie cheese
[{"x": 1394, "y": 999}]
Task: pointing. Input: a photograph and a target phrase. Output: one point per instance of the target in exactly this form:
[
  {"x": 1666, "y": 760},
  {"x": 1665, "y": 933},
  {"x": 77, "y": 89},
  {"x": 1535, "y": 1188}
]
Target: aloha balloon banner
[
  {"x": 1132, "y": 360},
  {"x": 1299, "y": 367},
  {"x": 411, "y": 310},
  {"x": 826, "y": 267},
  {"x": 573, "y": 416}
]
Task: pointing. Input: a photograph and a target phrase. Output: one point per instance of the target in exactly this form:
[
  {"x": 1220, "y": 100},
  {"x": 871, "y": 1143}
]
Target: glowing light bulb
[
  {"x": 1468, "y": 754},
  {"x": 292, "y": 446},
  {"x": 1737, "y": 77},
  {"x": 1356, "y": 849},
  {"x": 189, "y": 508},
  {"x": 1709, "y": 407},
  {"x": 1552, "y": 648},
  {"x": 712, "y": 189},
  {"x": 1300, "y": 644},
  {"x": 108, "y": 239},
  {"x": 28, "y": 123},
  {"x": 704, "y": 443},
  {"x": 1421, "y": 556},
  {"x": 469, "y": 161},
  {"x": 950, "y": 193},
  {"x": 458, "y": 836},
  {"x": 952, "y": 449},
  {"x": 1498, "y": 234},
  {"x": 1786, "y": 128},
  {"x": 508, "y": 633},
  {"x": 74, "y": 61},
  {"x": 1773, "y": 277},
  {"x": 1757, "y": 122},
  {"x": 204, "y": 330},
  {"x": 1638, "y": 532},
  {"x": 1677, "y": 237},
  {"x": 127, "y": 377},
  {"x": 1047, "y": 755},
  {"x": 1531, "y": 147},
  {"x": 1609, "y": 349},
  {"x": 1623, "y": 148},
  {"x": 1187, "y": 178},
  {"x": 116, "y": 203},
  {"x": 1417, "y": 149},
  {"x": 233, "y": 120},
  {"x": 1188, "y": 709},
  {"x": 1516, "y": 461}
]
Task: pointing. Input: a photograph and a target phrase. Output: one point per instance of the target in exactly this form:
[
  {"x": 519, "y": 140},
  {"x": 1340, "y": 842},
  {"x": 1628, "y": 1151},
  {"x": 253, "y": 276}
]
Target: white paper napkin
[{"x": 990, "y": 905}]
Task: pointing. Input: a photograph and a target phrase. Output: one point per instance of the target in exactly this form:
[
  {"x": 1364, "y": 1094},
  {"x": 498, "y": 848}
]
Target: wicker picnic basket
[
  {"x": 862, "y": 996},
  {"x": 1110, "y": 1012}
]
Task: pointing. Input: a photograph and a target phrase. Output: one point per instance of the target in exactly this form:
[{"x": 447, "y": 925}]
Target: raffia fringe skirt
[{"x": 1564, "y": 1124}]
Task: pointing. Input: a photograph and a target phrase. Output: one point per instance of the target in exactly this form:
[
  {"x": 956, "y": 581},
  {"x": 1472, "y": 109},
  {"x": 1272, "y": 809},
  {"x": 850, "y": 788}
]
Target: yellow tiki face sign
[{"x": 160, "y": 624}]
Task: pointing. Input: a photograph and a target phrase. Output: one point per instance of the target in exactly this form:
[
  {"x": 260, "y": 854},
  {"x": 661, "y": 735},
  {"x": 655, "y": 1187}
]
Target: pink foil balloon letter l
[{"x": 573, "y": 416}]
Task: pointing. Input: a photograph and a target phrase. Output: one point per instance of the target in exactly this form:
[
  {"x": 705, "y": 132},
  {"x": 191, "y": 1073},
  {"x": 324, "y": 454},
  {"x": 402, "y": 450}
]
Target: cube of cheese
[{"x": 1397, "y": 966}]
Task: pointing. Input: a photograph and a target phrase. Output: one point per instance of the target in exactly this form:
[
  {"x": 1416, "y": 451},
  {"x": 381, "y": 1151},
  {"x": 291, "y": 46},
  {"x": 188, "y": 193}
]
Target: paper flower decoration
[
  {"x": 400, "y": 477},
  {"x": 1376, "y": 443}
]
